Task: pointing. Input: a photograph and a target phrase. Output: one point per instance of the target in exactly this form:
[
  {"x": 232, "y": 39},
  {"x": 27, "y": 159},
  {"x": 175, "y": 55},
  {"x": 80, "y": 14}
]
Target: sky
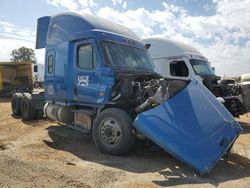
[{"x": 219, "y": 29}]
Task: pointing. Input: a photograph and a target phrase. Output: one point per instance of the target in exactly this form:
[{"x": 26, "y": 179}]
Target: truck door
[{"x": 87, "y": 78}]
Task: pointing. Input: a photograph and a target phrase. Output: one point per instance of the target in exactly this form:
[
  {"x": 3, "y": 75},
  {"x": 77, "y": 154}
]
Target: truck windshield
[
  {"x": 201, "y": 67},
  {"x": 122, "y": 56}
]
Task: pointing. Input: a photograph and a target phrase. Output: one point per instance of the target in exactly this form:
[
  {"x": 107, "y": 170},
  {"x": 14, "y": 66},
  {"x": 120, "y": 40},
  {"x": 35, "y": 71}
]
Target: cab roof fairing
[
  {"x": 162, "y": 48},
  {"x": 71, "y": 27}
]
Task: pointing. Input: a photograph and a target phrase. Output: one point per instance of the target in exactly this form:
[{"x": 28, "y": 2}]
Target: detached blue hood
[{"x": 192, "y": 126}]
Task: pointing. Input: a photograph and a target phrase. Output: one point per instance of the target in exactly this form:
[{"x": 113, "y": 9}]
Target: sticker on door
[{"x": 83, "y": 80}]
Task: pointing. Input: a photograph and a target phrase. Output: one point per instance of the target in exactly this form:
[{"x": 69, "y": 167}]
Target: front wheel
[{"x": 112, "y": 132}]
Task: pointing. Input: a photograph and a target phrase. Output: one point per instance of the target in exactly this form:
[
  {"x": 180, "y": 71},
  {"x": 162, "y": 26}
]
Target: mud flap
[{"x": 192, "y": 126}]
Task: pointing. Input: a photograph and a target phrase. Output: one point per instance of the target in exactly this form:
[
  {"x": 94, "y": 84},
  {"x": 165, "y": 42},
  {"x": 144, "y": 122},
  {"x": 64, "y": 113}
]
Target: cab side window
[
  {"x": 178, "y": 68},
  {"x": 86, "y": 57},
  {"x": 35, "y": 68},
  {"x": 50, "y": 64}
]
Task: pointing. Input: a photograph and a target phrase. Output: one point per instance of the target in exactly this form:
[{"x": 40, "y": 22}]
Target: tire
[
  {"x": 27, "y": 110},
  {"x": 16, "y": 103},
  {"x": 112, "y": 132}
]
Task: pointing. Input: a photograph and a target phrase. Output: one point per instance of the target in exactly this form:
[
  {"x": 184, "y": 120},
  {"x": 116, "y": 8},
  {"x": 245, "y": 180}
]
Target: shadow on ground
[
  {"x": 33, "y": 123},
  {"x": 144, "y": 159},
  {"x": 232, "y": 168},
  {"x": 4, "y": 100}
]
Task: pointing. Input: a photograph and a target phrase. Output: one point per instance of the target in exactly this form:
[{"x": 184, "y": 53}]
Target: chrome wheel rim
[{"x": 110, "y": 132}]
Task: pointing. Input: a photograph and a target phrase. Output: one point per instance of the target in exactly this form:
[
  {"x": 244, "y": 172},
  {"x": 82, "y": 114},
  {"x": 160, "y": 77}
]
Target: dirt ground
[{"x": 43, "y": 154}]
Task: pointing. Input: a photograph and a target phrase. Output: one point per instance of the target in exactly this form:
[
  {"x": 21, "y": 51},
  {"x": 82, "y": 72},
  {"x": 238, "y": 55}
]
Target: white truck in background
[
  {"x": 245, "y": 85},
  {"x": 173, "y": 59},
  {"x": 38, "y": 75}
]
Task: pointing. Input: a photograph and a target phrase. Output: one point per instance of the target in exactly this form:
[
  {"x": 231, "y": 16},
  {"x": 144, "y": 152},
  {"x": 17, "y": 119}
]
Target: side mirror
[{"x": 147, "y": 46}]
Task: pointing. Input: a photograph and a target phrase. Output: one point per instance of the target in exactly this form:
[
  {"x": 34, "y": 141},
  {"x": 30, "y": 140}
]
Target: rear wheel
[
  {"x": 112, "y": 132},
  {"x": 16, "y": 103},
  {"x": 27, "y": 110}
]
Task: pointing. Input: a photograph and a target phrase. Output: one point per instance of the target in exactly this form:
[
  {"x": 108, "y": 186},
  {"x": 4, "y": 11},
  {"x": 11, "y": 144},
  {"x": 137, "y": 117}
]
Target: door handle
[{"x": 75, "y": 91}]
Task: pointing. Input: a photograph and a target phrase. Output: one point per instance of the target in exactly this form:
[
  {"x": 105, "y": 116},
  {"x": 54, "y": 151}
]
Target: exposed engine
[
  {"x": 142, "y": 92},
  {"x": 230, "y": 89},
  {"x": 221, "y": 89},
  {"x": 230, "y": 92},
  {"x": 154, "y": 92}
]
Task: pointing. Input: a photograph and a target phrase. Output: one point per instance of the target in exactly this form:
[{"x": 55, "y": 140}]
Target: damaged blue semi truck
[{"x": 99, "y": 79}]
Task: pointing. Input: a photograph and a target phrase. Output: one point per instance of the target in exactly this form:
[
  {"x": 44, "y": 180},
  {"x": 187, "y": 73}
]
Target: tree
[{"x": 23, "y": 54}]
